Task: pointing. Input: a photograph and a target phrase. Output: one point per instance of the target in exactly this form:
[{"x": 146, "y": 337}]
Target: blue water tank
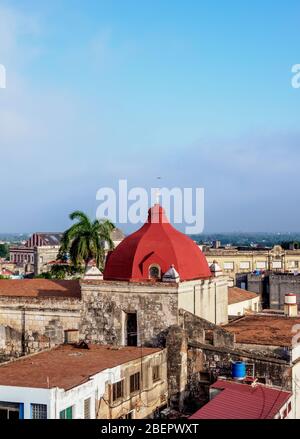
[{"x": 238, "y": 370}]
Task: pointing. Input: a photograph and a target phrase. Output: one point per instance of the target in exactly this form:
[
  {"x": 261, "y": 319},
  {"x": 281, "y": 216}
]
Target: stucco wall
[{"x": 238, "y": 309}]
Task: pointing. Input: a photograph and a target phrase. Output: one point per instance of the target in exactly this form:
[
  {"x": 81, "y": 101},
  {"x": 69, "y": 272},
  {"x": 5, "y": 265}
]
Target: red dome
[{"x": 156, "y": 243}]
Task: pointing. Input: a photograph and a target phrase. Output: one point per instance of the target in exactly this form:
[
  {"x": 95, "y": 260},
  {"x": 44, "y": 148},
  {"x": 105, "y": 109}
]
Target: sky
[{"x": 196, "y": 92}]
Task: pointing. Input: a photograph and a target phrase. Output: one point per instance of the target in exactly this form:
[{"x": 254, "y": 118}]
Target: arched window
[{"x": 154, "y": 272}]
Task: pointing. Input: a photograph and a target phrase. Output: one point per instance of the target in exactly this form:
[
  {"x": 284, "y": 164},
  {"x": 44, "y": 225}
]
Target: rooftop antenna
[{"x": 158, "y": 193}]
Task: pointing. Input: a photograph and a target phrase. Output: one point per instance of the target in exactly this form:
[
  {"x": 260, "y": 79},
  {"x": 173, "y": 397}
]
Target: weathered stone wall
[
  {"x": 199, "y": 352},
  {"x": 201, "y": 330},
  {"x": 177, "y": 365},
  {"x": 29, "y": 324},
  {"x": 105, "y": 305},
  {"x": 43, "y": 255}
]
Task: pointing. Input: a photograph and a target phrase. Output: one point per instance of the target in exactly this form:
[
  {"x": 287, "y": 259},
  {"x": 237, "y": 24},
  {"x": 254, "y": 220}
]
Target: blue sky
[{"x": 198, "y": 92}]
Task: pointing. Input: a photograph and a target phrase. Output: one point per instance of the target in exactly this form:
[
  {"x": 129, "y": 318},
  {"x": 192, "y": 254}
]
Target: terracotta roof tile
[{"x": 236, "y": 295}]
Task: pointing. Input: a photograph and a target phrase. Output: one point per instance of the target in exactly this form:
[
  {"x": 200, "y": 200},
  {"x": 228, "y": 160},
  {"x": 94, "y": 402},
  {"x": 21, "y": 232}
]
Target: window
[
  {"x": 87, "y": 408},
  {"x": 118, "y": 390},
  {"x": 155, "y": 373},
  {"x": 135, "y": 382},
  {"x": 289, "y": 407},
  {"x": 154, "y": 272},
  {"x": 276, "y": 264},
  {"x": 245, "y": 265},
  {"x": 9, "y": 410},
  {"x": 131, "y": 329},
  {"x": 228, "y": 265},
  {"x": 261, "y": 265},
  {"x": 67, "y": 413},
  {"x": 38, "y": 411},
  {"x": 285, "y": 413}
]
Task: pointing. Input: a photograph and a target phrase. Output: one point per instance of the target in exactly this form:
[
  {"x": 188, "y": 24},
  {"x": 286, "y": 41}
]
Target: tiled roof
[
  {"x": 6, "y": 272},
  {"x": 40, "y": 288},
  {"x": 242, "y": 401},
  {"x": 67, "y": 366},
  {"x": 264, "y": 329},
  {"x": 51, "y": 238},
  {"x": 236, "y": 295}
]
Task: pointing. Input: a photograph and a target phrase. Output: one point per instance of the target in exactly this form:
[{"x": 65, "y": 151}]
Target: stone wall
[
  {"x": 29, "y": 324},
  {"x": 43, "y": 255},
  {"x": 105, "y": 305}
]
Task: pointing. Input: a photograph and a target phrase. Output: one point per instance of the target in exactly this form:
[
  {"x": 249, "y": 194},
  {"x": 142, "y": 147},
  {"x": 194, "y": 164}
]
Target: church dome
[{"x": 150, "y": 251}]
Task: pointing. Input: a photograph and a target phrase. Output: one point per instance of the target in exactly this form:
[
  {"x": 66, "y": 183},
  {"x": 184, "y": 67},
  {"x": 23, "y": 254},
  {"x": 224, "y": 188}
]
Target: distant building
[
  {"x": 41, "y": 249},
  {"x": 85, "y": 382},
  {"x": 38, "y": 250},
  {"x": 233, "y": 400},
  {"x": 244, "y": 260},
  {"x": 272, "y": 287}
]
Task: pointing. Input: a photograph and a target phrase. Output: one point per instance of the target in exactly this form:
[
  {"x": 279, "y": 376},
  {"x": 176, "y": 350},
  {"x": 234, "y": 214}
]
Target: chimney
[{"x": 290, "y": 305}]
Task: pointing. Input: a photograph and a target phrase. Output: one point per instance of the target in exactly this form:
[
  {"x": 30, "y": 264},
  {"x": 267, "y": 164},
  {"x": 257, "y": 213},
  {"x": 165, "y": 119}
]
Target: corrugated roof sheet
[{"x": 242, "y": 401}]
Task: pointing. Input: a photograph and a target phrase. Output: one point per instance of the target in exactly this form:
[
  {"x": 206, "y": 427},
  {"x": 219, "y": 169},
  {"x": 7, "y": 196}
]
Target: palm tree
[{"x": 85, "y": 240}]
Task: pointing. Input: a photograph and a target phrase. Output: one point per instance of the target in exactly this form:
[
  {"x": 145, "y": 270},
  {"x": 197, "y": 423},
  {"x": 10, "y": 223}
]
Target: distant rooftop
[
  {"x": 263, "y": 329},
  {"x": 236, "y": 295},
  {"x": 67, "y": 366}
]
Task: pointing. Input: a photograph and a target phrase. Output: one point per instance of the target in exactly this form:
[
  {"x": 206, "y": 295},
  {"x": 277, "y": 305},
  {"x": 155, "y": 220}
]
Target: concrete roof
[
  {"x": 263, "y": 329},
  {"x": 40, "y": 288},
  {"x": 67, "y": 366}
]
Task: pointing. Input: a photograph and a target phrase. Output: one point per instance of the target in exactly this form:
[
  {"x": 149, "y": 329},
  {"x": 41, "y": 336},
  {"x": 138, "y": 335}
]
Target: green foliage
[
  {"x": 85, "y": 240},
  {"x": 64, "y": 271},
  {"x": 4, "y": 251}
]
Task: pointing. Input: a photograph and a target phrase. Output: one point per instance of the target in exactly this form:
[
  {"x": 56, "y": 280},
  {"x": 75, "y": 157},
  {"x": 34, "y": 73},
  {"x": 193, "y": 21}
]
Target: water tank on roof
[
  {"x": 238, "y": 370},
  {"x": 290, "y": 299}
]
